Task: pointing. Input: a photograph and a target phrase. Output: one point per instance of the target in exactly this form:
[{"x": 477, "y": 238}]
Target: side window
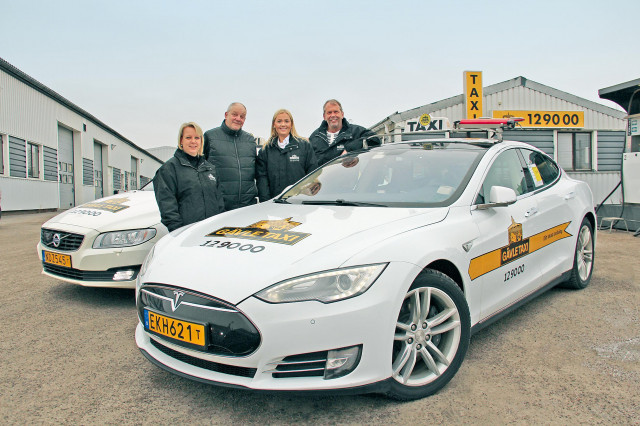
[
  {"x": 543, "y": 170},
  {"x": 505, "y": 171}
]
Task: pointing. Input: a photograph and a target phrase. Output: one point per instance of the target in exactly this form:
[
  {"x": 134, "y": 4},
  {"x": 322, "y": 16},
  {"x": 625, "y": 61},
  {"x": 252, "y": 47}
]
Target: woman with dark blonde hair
[
  {"x": 186, "y": 186},
  {"x": 284, "y": 159}
]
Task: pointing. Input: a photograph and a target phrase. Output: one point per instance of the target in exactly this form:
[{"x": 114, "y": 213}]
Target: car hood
[
  {"x": 127, "y": 210},
  {"x": 235, "y": 254}
]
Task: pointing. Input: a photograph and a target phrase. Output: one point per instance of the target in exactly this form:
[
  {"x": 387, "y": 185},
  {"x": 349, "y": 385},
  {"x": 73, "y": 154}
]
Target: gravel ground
[{"x": 68, "y": 356}]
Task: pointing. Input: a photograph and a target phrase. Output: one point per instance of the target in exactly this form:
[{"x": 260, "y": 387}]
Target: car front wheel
[{"x": 431, "y": 338}]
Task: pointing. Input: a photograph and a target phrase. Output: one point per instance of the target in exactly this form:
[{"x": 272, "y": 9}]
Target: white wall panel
[{"x": 28, "y": 194}]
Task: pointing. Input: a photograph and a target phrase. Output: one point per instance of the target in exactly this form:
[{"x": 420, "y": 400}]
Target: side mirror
[{"x": 499, "y": 196}]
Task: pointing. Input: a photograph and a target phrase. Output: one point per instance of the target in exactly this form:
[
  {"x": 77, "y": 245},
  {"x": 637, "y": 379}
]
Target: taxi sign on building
[{"x": 473, "y": 93}]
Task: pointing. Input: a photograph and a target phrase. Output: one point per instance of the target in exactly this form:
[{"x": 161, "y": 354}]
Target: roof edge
[{"x": 35, "y": 84}]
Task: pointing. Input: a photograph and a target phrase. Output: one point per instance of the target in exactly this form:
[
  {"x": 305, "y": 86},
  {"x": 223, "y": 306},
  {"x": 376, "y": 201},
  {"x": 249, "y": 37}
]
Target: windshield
[{"x": 404, "y": 175}]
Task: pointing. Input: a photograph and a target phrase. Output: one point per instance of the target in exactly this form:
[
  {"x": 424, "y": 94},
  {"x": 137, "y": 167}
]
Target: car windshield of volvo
[{"x": 399, "y": 175}]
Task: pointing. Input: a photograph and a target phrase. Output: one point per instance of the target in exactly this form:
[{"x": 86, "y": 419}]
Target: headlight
[
  {"x": 119, "y": 239},
  {"x": 325, "y": 287}
]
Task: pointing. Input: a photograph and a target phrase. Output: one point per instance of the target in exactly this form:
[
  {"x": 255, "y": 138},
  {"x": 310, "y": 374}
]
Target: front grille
[
  {"x": 79, "y": 275},
  {"x": 231, "y": 333},
  {"x": 67, "y": 240},
  {"x": 203, "y": 363},
  {"x": 303, "y": 365}
]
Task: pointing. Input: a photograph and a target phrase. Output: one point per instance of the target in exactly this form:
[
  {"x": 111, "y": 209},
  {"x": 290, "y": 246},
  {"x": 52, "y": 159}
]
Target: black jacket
[
  {"x": 186, "y": 191},
  {"x": 349, "y": 138},
  {"x": 277, "y": 168},
  {"x": 234, "y": 156}
]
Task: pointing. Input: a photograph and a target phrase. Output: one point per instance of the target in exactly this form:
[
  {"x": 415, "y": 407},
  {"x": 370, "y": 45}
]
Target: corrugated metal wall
[
  {"x": 27, "y": 114},
  {"x": 541, "y": 139},
  {"x": 524, "y": 98},
  {"x": 601, "y": 184}
]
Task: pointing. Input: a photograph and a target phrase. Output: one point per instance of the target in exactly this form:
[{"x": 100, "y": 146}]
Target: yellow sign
[
  {"x": 556, "y": 119},
  {"x": 425, "y": 119},
  {"x": 516, "y": 248},
  {"x": 473, "y": 93}
]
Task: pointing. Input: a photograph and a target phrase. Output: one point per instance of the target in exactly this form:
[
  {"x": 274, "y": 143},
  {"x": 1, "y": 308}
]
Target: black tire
[
  {"x": 432, "y": 337},
  {"x": 583, "y": 260}
]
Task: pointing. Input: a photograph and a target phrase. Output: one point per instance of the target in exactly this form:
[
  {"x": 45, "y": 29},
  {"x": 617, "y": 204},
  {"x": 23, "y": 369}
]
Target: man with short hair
[
  {"x": 233, "y": 152},
  {"x": 336, "y": 135}
]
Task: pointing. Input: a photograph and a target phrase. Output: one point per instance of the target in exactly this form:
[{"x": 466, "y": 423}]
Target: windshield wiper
[
  {"x": 341, "y": 202},
  {"x": 281, "y": 201}
]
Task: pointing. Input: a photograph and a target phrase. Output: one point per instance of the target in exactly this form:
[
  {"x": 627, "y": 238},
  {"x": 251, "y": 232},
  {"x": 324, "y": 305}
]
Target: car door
[
  {"x": 554, "y": 198},
  {"x": 500, "y": 258}
]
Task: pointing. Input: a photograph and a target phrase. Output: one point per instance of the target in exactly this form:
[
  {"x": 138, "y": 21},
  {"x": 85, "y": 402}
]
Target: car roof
[{"x": 444, "y": 143}]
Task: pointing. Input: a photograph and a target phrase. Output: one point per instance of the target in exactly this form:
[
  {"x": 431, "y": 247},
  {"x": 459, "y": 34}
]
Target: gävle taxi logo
[
  {"x": 274, "y": 231},
  {"x": 516, "y": 248},
  {"x": 113, "y": 205}
]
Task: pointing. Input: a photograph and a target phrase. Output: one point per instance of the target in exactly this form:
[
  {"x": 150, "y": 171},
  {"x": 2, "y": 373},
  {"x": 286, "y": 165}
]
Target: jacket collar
[
  {"x": 293, "y": 143},
  {"x": 229, "y": 131},
  {"x": 184, "y": 158}
]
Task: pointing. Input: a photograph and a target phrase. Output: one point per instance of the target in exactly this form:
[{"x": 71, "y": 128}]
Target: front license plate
[
  {"x": 184, "y": 331},
  {"x": 56, "y": 258}
]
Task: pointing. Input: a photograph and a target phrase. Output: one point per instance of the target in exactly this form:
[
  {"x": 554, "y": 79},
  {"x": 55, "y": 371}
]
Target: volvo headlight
[
  {"x": 325, "y": 287},
  {"x": 119, "y": 239}
]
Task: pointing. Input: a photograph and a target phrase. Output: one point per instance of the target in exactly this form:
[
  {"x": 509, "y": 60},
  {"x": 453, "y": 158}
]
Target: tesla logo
[
  {"x": 177, "y": 299},
  {"x": 56, "y": 240}
]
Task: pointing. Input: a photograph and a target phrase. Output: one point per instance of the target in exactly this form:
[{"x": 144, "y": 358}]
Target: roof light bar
[{"x": 487, "y": 123}]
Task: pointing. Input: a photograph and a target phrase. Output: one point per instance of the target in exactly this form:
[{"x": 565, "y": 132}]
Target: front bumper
[
  {"x": 292, "y": 329},
  {"x": 97, "y": 267}
]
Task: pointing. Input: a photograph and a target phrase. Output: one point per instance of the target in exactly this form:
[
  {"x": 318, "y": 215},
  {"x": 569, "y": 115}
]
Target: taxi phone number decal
[{"x": 226, "y": 244}]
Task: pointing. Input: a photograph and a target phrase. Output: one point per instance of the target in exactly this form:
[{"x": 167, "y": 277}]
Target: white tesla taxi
[
  {"x": 368, "y": 275},
  {"x": 102, "y": 243}
]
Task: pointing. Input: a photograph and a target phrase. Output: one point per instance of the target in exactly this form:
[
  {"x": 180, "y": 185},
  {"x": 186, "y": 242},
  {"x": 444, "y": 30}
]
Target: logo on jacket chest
[
  {"x": 294, "y": 157},
  {"x": 340, "y": 147}
]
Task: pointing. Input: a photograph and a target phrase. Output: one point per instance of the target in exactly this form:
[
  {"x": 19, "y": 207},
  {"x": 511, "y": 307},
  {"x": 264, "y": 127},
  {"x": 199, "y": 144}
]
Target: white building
[
  {"x": 53, "y": 154},
  {"x": 586, "y": 138}
]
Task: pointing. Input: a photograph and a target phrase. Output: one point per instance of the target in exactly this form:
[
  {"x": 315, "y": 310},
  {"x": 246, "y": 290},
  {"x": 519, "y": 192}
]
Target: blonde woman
[
  {"x": 284, "y": 159},
  {"x": 186, "y": 186}
]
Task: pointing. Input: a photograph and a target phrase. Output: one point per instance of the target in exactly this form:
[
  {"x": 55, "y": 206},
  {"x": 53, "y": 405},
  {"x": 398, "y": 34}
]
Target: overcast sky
[{"x": 145, "y": 67}]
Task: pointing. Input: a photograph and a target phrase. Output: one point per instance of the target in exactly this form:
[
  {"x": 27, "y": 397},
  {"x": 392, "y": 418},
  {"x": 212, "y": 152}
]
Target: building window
[
  {"x": 17, "y": 157},
  {"x": 33, "y": 160},
  {"x": 1, "y": 154},
  {"x": 574, "y": 150}
]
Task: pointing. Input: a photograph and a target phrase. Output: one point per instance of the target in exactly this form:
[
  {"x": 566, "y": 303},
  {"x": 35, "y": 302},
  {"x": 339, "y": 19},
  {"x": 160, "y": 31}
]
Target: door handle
[
  {"x": 531, "y": 212},
  {"x": 570, "y": 195}
]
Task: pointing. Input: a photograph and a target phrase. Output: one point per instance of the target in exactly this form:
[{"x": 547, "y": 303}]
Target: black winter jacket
[
  {"x": 234, "y": 156},
  {"x": 349, "y": 138},
  {"x": 186, "y": 194},
  {"x": 277, "y": 168}
]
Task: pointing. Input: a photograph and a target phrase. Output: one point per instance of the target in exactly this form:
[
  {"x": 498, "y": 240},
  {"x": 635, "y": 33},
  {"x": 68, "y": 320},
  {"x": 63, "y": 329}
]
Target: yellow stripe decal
[{"x": 494, "y": 259}]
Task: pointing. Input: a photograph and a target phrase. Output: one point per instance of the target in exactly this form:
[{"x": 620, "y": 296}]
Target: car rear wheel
[
  {"x": 583, "y": 259},
  {"x": 432, "y": 336}
]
